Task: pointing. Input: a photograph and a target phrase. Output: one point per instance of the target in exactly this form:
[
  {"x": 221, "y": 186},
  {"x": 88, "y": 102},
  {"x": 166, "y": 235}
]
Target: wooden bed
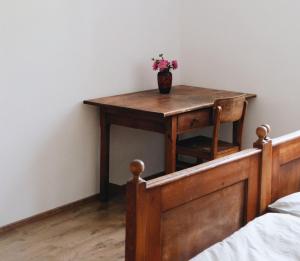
[{"x": 176, "y": 216}]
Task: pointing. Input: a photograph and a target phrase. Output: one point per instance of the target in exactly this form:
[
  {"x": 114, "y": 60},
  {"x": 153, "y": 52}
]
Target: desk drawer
[{"x": 193, "y": 120}]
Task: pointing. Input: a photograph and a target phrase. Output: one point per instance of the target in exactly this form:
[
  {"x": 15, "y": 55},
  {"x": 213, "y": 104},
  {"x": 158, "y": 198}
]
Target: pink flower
[
  {"x": 174, "y": 64},
  {"x": 163, "y": 64},
  {"x": 155, "y": 66}
]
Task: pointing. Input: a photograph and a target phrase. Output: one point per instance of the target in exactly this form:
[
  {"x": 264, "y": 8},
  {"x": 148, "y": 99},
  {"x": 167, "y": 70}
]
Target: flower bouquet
[{"x": 164, "y": 76}]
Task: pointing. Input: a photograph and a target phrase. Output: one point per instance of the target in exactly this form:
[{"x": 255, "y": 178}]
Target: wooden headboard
[{"x": 176, "y": 216}]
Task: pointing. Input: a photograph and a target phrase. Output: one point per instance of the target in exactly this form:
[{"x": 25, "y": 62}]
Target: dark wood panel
[
  {"x": 134, "y": 119},
  {"x": 128, "y": 112},
  {"x": 192, "y": 227},
  {"x": 137, "y": 123},
  {"x": 104, "y": 155}
]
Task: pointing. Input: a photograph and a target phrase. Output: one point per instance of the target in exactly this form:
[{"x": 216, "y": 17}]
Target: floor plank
[{"x": 95, "y": 231}]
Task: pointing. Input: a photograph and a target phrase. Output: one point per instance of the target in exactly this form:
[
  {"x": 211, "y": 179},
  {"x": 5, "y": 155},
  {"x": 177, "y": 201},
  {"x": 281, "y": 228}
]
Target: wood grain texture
[
  {"x": 151, "y": 111},
  {"x": 170, "y": 144},
  {"x": 265, "y": 144},
  {"x": 207, "y": 166},
  {"x": 210, "y": 181},
  {"x": 289, "y": 151},
  {"x": 231, "y": 108},
  {"x": 181, "y": 99},
  {"x": 199, "y": 206},
  {"x": 194, "y": 120},
  {"x": 92, "y": 232},
  {"x": 203, "y": 148},
  {"x": 134, "y": 119},
  {"x": 192, "y": 227},
  {"x": 173, "y": 214},
  {"x": 286, "y": 165}
]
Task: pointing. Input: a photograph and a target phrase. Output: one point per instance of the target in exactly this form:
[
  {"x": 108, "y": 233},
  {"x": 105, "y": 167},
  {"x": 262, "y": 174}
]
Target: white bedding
[
  {"x": 289, "y": 204},
  {"x": 274, "y": 237}
]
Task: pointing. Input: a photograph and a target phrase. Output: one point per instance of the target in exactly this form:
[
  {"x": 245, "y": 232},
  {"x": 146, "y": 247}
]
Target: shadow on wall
[{"x": 128, "y": 144}]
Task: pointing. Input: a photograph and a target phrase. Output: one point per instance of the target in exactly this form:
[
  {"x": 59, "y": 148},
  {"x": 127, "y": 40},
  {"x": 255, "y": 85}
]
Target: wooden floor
[{"x": 91, "y": 232}]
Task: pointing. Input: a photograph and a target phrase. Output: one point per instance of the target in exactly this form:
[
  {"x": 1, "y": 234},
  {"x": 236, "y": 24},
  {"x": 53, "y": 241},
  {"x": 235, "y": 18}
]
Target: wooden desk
[{"x": 184, "y": 109}]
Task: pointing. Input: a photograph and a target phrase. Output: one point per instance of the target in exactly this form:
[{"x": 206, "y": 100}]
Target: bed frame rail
[{"x": 176, "y": 216}]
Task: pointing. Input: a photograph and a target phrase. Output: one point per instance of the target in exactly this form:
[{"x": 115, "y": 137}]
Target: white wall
[
  {"x": 250, "y": 46},
  {"x": 54, "y": 54}
]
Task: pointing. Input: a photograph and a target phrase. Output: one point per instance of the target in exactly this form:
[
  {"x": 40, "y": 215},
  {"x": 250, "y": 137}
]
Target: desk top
[{"x": 181, "y": 99}]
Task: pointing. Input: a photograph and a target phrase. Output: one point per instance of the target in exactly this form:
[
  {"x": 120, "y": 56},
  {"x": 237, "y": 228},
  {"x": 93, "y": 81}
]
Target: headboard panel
[
  {"x": 180, "y": 214},
  {"x": 176, "y": 216},
  {"x": 185, "y": 190},
  {"x": 221, "y": 213},
  {"x": 286, "y": 165}
]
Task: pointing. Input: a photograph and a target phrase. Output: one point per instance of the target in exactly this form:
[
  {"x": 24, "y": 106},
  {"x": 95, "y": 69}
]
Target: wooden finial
[
  {"x": 269, "y": 130},
  {"x": 261, "y": 133},
  {"x": 137, "y": 167}
]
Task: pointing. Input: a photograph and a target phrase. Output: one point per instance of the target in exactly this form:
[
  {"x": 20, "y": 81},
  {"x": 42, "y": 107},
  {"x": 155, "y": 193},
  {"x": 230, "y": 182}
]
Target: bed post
[
  {"x": 264, "y": 143},
  {"x": 134, "y": 214}
]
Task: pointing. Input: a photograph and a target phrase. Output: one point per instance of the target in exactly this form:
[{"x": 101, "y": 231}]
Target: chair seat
[
  {"x": 200, "y": 146},
  {"x": 180, "y": 164}
]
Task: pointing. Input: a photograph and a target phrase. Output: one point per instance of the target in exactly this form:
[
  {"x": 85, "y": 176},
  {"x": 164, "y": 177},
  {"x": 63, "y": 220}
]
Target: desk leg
[
  {"x": 104, "y": 156},
  {"x": 170, "y": 144}
]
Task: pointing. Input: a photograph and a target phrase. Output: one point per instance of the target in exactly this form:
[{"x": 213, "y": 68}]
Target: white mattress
[{"x": 274, "y": 237}]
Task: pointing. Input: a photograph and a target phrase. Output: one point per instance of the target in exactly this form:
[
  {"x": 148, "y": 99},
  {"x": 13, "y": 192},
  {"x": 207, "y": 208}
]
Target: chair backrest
[
  {"x": 229, "y": 110},
  {"x": 232, "y": 108}
]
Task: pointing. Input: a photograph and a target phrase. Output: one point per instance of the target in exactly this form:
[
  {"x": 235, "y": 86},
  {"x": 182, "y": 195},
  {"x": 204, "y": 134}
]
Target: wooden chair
[{"x": 205, "y": 148}]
